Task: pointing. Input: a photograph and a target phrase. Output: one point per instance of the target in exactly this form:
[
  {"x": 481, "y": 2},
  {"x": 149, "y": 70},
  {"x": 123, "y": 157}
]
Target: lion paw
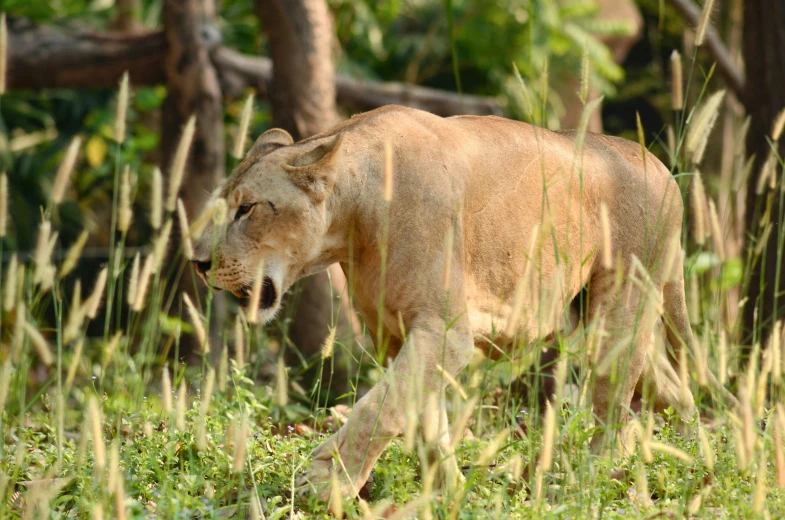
[{"x": 328, "y": 462}]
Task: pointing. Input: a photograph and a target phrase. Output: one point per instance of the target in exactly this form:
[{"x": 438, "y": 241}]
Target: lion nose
[{"x": 202, "y": 266}]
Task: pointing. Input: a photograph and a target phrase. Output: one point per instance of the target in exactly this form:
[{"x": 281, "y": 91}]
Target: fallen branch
[
  {"x": 43, "y": 56},
  {"x": 725, "y": 65},
  {"x": 238, "y": 70}
]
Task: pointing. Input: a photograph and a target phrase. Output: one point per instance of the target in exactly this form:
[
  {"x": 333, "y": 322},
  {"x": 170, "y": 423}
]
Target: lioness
[{"x": 524, "y": 206}]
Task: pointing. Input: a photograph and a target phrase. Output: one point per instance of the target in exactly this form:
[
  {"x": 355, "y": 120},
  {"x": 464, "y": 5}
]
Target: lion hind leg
[
  {"x": 620, "y": 360},
  {"x": 662, "y": 388}
]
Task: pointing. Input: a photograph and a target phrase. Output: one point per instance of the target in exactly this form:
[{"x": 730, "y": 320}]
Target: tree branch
[
  {"x": 43, "y": 56},
  {"x": 239, "y": 70},
  {"x": 733, "y": 76}
]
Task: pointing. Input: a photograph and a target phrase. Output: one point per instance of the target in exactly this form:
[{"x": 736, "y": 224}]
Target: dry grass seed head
[
  {"x": 65, "y": 169},
  {"x": 207, "y": 391},
  {"x": 716, "y": 232},
  {"x": 779, "y": 458},
  {"x": 329, "y": 344},
  {"x": 133, "y": 281},
  {"x": 122, "y": 110},
  {"x": 335, "y": 505},
  {"x": 42, "y": 255},
  {"x": 223, "y": 368},
  {"x": 76, "y": 314},
  {"x": 3, "y": 202},
  {"x": 722, "y": 354},
  {"x": 775, "y": 348},
  {"x": 96, "y": 430},
  {"x": 156, "y": 195},
  {"x": 73, "y": 254},
  {"x": 256, "y": 294},
  {"x": 18, "y": 335},
  {"x": 94, "y": 302},
  {"x": 705, "y": 22},
  {"x": 119, "y": 499},
  {"x": 548, "y": 438},
  {"x": 5, "y": 382},
  {"x": 607, "y": 251},
  {"x": 778, "y": 126},
  {"x": 706, "y": 450},
  {"x": 198, "y": 226},
  {"x": 698, "y": 200},
  {"x": 9, "y": 291},
  {"x": 185, "y": 234},
  {"x": 701, "y": 126},
  {"x": 161, "y": 248},
  {"x": 759, "y": 494},
  {"x": 196, "y": 321},
  {"x": 779, "y": 437},
  {"x": 144, "y": 282},
  {"x": 240, "y": 437},
  {"x": 125, "y": 212},
  {"x": 111, "y": 348},
  {"x": 677, "y": 84},
  {"x": 239, "y": 342},
  {"x": 114, "y": 466},
  {"x": 178, "y": 163},
  {"x": 672, "y": 451},
  {"x": 748, "y": 426},
  {"x": 492, "y": 448},
  {"x": 583, "y": 124},
  {"x": 281, "y": 383},
  {"x": 3, "y": 52},
  {"x": 179, "y": 416},
  {"x": 585, "y": 73},
  {"x": 74, "y": 366},
  {"x": 242, "y": 131},
  {"x": 166, "y": 392},
  {"x": 40, "y": 344}
]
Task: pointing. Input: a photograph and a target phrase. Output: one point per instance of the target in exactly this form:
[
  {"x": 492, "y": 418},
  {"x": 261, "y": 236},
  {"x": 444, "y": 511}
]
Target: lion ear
[
  {"x": 316, "y": 170},
  {"x": 270, "y": 140}
]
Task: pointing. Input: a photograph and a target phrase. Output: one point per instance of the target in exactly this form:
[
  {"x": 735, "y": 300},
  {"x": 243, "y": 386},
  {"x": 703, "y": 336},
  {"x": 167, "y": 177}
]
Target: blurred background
[{"x": 311, "y": 63}]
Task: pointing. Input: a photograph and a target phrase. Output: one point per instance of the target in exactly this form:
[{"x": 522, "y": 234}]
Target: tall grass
[{"x": 105, "y": 426}]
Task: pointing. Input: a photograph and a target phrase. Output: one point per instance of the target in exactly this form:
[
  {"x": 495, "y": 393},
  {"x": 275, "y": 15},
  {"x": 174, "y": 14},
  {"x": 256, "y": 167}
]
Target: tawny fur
[{"x": 522, "y": 200}]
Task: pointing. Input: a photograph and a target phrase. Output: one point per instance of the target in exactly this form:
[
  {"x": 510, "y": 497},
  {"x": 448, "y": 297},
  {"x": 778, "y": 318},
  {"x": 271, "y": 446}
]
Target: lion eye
[{"x": 243, "y": 209}]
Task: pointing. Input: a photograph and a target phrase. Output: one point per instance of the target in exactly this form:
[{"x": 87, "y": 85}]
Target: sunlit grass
[{"x": 105, "y": 425}]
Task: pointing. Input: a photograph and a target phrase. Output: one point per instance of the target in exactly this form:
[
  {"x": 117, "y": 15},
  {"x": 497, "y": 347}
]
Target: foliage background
[{"x": 401, "y": 40}]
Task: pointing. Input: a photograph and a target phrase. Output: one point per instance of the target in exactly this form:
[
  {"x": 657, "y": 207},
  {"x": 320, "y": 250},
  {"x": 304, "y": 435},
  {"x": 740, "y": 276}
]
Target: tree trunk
[
  {"x": 764, "y": 54},
  {"x": 193, "y": 89},
  {"x": 608, "y": 10},
  {"x": 302, "y": 99},
  {"x": 302, "y": 94}
]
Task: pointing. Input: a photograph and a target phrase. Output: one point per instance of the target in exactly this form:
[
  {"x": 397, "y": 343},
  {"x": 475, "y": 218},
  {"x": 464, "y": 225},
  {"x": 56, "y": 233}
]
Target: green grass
[
  {"x": 196, "y": 460},
  {"x": 166, "y": 475}
]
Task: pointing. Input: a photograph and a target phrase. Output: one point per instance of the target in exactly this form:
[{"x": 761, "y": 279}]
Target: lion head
[{"x": 276, "y": 218}]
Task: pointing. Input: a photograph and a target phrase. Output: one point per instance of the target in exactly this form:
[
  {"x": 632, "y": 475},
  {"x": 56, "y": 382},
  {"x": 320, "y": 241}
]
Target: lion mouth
[{"x": 267, "y": 298}]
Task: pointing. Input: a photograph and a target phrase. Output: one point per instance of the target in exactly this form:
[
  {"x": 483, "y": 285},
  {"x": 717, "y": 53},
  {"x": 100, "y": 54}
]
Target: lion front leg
[
  {"x": 381, "y": 414},
  {"x": 437, "y": 455}
]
